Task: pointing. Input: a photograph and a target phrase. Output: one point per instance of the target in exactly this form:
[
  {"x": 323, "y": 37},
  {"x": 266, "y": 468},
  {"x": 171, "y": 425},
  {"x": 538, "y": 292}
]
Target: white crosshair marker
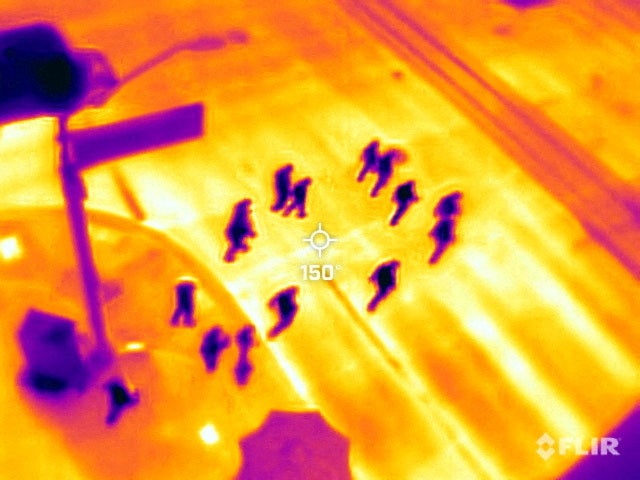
[{"x": 322, "y": 246}]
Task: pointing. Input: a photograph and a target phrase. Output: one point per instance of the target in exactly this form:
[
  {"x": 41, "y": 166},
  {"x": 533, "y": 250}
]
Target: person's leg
[
  {"x": 282, "y": 187},
  {"x": 399, "y": 213}
]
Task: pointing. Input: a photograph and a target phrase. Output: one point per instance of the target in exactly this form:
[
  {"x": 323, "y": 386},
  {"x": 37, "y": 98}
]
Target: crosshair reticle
[{"x": 325, "y": 244}]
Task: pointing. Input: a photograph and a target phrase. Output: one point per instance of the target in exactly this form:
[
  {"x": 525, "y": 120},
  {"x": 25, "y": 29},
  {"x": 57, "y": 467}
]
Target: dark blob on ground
[
  {"x": 443, "y": 233},
  {"x": 369, "y": 159},
  {"x": 404, "y": 196},
  {"x": 185, "y": 304},
  {"x": 50, "y": 347},
  {"x": 214, "y": 342},
  {"x": 282, "y": 187},
  {"x": 290, "y": 197},
  {"x": 384, "y": 279},
  {"x": 298, "y": 199},
  {"x": 285, "y": 306},
  {"x": 380, "y": 163},
  {"x": 38, "y": 74},
  {"x": 239, "y": 230},
  {"x": 245, "y": 340},
  {"x": 448, "y": 205},
  {"x": 119, "y": 399}
]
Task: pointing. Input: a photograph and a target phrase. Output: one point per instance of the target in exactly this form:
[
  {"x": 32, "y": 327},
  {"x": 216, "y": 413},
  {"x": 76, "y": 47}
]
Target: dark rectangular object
[
  {"x": 92, "y": 146},
  {"x": 39, "y": 75},
  {"x": 50, "y": 346}
]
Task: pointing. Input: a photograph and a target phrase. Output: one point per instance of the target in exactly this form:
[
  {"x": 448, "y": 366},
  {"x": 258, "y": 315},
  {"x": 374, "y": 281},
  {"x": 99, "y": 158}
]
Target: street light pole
[{"x": 75, "y": 193}]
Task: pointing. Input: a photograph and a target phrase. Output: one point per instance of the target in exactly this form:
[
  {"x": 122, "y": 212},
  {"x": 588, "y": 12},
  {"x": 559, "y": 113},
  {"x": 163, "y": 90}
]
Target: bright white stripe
[
  {"x": 580, "y": 323},
  {"x": 541, "y": 396}
]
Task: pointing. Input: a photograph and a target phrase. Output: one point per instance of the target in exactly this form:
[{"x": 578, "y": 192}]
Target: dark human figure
[
  {"x": 449, "y": 205},
  {"x": 299, "y": 198},
  {"x": 245, "y": 340},
  {"x": 369, "y": 159},
  {"x": 385, "y": 280},
  {"x": 246, "y": 337},
  {"x": 185, "y": 303},
  {"x": 384, "y": 169},
  {"x": 404, "y": 196},
  {"x": 380, "y": 163},
  {"x": 119, "y": 399},
  {"x": 282, "y": 187},
  {"x": 214, "y": 342},
  {"x": 444, "y": 235},
  {"x": 243, "y": 370},
  {"x": 238, "y": 230},
  {"x": 285, "y": 306},
  {"x": 443, "y": 232}
]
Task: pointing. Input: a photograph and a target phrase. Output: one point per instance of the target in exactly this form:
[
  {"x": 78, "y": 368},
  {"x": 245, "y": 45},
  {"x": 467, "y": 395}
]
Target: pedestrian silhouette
[
  {"x": 282, "y": 187},
  {"x": 285, "y": 306},
  {"x": 384, "y": 169},
  {"x": 242, "y": 371},
  {"x": 384, "y": 279},
  {"x": 245, "y": 340},
  {"x": 185, "y": 303},
  {"x": 119, "y": 399},
  {"x": 380, "y": 163},
  {"x": 299, "y": 198},
  {"x": 214, "y": 342},
  {"x": 239, "y": 230},
  {"x": 448, "y": 205},
  {"x": 404, "y": 196},
  {"x": 369, "y": 158},
  {"x": 443, "y": 234}
]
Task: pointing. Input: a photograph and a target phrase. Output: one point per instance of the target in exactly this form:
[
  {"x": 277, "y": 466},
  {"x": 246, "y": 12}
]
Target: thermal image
[{"x": 320, "y": 240}]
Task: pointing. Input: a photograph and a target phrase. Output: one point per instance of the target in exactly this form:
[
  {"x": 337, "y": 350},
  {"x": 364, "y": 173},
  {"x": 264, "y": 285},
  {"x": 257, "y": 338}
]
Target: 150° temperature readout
[{"x": 319, "y": 272}]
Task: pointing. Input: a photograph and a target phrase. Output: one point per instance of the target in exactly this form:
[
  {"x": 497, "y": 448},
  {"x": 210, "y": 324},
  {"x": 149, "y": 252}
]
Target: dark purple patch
[
  {"x": 214, "y": 342},
  {"x": 38, "y": 74},
  {"x": 298, "y": 199},
  {"x": 239, "y": 230},
  {"x": 185, "y": 304},
  {"x": 50, "y": 347},
  {"x": 97, "y": 144},
  {"x": 119, "y": 399},
  {"x": 246, "y": 337},
  {"x": 380, "y": 163},
  {"x": 384, "y": 169},
  {"x": 404, "y": 196},
  {"x": 443, "y": 234},
  {"x": 294, "y": 445},
  {"x": 526, "y": 3},
  {"x": 46, "y": 383},
  {"x": 384, "y": 279},
  {"x": 449, "y": 205},
  {"x": 243, "y": 371},
  {"x": 245, "y": 340},
  {"x": 624, "y": 466},
  {"x": 369, "y": 159},
  {"x": 282, "y": 187},
  {"x": 285, "y": 306}
]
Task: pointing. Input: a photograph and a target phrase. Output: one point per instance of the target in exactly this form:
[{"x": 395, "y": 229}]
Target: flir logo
[{"x": 576, "y": 446}]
